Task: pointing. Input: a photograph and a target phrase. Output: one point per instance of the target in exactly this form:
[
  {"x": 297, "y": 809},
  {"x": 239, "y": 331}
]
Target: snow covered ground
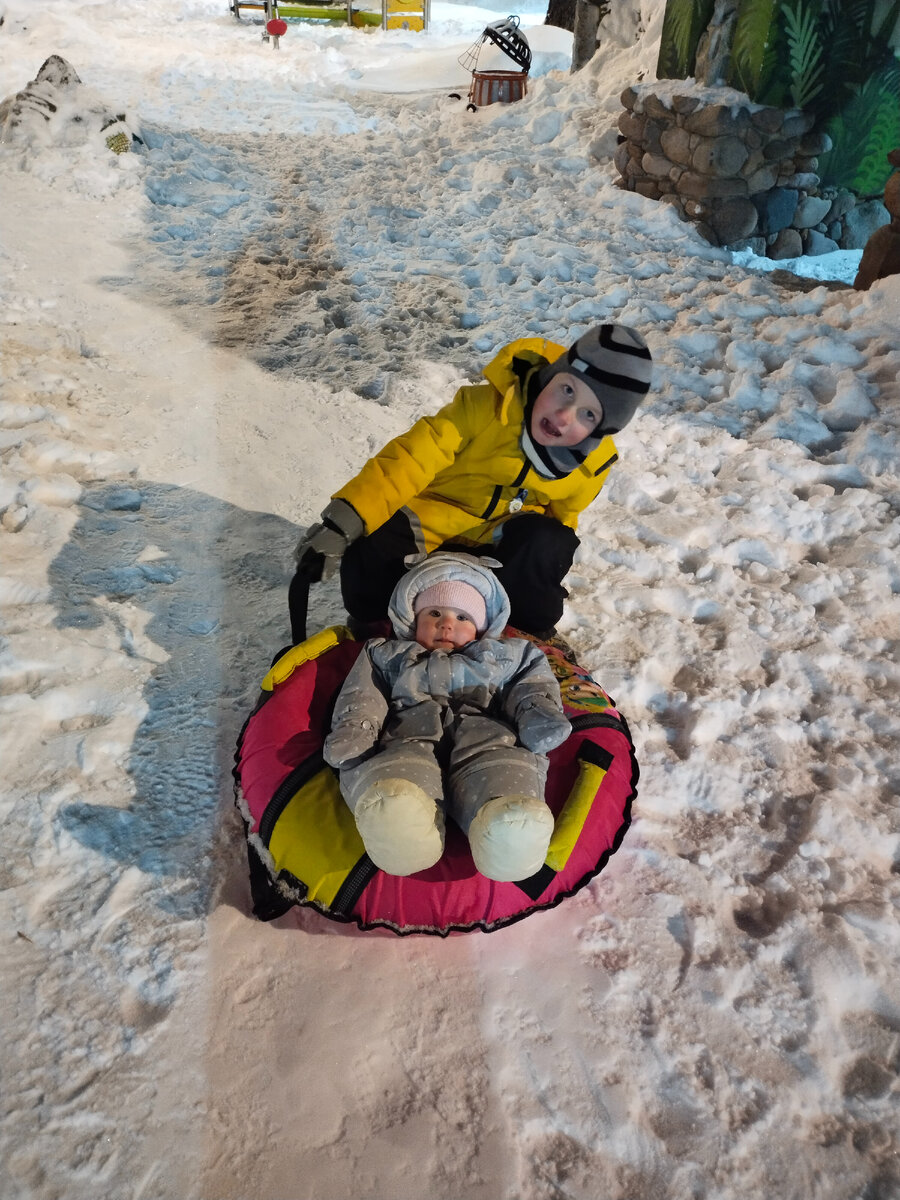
[{"x": 201, "y": 340}]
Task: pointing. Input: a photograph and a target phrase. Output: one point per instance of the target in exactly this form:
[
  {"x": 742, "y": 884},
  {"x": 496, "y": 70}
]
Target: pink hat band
[{"x": 453, "y": 593}]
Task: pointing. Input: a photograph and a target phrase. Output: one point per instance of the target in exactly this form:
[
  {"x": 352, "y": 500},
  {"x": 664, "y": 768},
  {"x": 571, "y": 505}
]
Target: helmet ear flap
[{"x": 545, "y": 374}]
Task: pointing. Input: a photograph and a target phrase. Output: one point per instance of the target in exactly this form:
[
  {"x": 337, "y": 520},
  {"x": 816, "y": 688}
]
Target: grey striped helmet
[{"x": 614, "y": 361}]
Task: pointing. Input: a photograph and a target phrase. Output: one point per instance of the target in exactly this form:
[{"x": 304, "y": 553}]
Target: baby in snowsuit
[
  {"x": 449, "y": 716},
  {"x": 505, "y": 469}
]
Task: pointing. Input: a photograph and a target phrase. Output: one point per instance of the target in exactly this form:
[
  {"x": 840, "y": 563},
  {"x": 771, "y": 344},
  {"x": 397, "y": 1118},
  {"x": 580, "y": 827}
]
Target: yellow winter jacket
[{"x": 457, "y": 472}]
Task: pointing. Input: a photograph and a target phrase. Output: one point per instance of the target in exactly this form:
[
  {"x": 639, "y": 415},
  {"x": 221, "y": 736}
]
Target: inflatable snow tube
[{"x": 303, "y": 846}]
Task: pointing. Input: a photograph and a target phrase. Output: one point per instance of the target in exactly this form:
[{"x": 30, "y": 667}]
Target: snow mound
[{"x": 56, "y": 109}]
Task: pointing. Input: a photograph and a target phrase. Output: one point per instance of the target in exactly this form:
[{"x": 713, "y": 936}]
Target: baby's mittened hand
[
  {"x": 348, "y": 742},
  {"x": 542, "y": 730}
]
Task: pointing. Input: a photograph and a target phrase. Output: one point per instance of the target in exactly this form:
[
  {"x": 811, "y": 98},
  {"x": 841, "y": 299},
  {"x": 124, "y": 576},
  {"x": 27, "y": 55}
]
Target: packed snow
[{"x": 306, "y": 249}]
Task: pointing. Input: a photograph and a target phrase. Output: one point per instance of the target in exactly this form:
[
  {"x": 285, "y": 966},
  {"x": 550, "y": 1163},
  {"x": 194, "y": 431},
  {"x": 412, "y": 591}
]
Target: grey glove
[
  {"x": 542, "y": 729},
  {"x": 341, "y": 524}
]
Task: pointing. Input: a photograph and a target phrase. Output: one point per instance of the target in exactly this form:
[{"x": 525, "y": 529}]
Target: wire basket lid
[{"x": 506, "y": 36}]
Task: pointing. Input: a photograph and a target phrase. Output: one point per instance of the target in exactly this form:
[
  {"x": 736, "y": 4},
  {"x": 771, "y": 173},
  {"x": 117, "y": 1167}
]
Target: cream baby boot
[
  {"x": 509, "y": 837},
  {"x": 401, "y": 826}
]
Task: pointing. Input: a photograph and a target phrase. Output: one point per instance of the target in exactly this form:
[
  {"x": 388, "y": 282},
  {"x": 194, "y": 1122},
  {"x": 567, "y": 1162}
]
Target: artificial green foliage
[
  {"x": 829, "y": 57},
  {"x": 874, "y": 169},
  {"x": 887, "y": 26},
  {"x": 841, "y": 23},
  {"x": 805, "y": 54},
  {"x": 683, "y": 26},
  {"x": 753, "y": 50},
  {"x": 863, "y": 134},
  {"x": 855, "y": 48},
  {"x": 860, "y": 107}
]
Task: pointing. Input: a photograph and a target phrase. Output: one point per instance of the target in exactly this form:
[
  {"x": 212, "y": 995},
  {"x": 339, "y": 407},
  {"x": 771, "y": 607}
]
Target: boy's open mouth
[{"x": 548, "y": 428}]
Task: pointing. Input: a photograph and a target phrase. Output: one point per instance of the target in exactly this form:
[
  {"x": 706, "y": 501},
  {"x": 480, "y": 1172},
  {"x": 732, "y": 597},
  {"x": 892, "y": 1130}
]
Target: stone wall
[{"x": 744, "y": 174}]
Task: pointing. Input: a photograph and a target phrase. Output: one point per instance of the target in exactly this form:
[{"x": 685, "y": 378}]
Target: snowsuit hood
[{"x": 440, "y": 568}]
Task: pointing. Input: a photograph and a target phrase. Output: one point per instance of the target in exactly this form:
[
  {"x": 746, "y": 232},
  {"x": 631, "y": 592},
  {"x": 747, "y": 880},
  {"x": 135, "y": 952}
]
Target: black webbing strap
[{"x": 309, "y": 571}]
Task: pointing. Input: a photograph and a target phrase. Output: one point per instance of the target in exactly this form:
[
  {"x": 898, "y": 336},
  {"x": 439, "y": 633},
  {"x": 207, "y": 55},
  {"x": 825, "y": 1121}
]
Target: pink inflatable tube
[{"x": 303, "y": 846}]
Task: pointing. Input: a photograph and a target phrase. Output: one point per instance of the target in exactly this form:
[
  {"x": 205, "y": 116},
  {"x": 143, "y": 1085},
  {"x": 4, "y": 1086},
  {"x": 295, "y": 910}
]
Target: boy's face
[
  {"x": 444, "y": 629},
  {"x": 565, "y": 412}
]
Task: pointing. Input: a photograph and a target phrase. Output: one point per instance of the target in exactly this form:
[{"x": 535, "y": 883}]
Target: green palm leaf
[
  {"x": 862, "y": 134},
  {"x": 684, "y": 22},
  {"x": 753, "y": 55},
  {"x": 882, "y": 136},
  {"x": 840, "y": 37},
  {"x": 886, "y": 28},
  {"x": 805, "y": 53}
]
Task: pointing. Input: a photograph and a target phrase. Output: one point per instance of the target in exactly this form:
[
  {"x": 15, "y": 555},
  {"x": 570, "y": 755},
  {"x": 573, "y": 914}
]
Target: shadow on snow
[{"x": 213, "y": 579}]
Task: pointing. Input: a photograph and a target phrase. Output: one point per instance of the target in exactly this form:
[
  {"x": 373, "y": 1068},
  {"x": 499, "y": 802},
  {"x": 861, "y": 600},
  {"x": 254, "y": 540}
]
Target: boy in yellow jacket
[{"x": 505, "y": 469}]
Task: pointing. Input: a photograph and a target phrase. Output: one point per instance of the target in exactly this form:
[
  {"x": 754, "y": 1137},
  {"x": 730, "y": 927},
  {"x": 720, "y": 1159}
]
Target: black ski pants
[{"x": 536, "y": 551}]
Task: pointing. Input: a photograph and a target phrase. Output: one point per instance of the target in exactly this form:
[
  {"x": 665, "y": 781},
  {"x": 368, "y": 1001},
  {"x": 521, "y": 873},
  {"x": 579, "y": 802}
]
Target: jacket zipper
[
  {"x": 494, "y": 501},
  {"x": 498, "y": 492}
]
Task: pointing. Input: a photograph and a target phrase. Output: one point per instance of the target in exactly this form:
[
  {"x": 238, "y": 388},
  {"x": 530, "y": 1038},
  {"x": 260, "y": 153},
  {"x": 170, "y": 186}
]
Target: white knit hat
[{"x": 455, "y": 593}]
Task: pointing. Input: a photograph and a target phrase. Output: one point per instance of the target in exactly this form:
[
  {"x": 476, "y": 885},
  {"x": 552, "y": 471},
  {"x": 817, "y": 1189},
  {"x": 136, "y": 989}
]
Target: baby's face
[
  {"x": 444, "y": 629},
  {"x": 565, "y": 412}
]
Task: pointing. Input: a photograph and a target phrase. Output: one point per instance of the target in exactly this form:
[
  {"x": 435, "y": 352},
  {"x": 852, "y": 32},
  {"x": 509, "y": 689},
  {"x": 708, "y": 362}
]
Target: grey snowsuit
[{"x": 467, "y": 726}]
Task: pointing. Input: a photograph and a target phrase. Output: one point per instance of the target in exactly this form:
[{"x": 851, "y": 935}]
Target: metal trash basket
[
  {"x": 497, "y": 87},
  {"x": 504, "y": 86}
]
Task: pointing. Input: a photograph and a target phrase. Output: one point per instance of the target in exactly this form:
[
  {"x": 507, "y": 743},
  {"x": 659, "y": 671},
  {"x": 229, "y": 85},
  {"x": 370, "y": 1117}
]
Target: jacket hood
[
  {"x": 439, "y": 568},
  {"x": 501, "y": 373}
]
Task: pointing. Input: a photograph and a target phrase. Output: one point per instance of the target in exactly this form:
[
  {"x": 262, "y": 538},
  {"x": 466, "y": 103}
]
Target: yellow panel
[
  {"x": 316, "y": 838},
  {"x": 408, "y": 22},
  {"x": 313, "y": 647},
  {"x": 570, "y": 821},
  {"x": 314, "y": 12}
]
